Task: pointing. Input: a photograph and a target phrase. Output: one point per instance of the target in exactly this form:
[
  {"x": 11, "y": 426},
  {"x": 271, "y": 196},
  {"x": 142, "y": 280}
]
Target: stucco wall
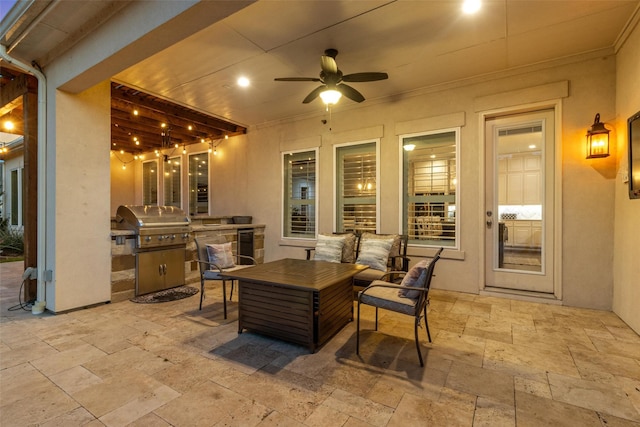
[
  {"x": 80, "y": 202},
  {"x": 626, "y": 291},
  {"x": 587, "y": 278}
]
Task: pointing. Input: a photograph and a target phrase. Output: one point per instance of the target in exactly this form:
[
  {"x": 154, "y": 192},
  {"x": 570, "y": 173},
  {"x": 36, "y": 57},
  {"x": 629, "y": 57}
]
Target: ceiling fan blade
[
  {"x": 328, "y": 64},
  {"x": 364, "y": 77},
  {"x": 350, "y": 92},
  {"x": 314, "y": 94},
  {"x": 297, "y": 79}
]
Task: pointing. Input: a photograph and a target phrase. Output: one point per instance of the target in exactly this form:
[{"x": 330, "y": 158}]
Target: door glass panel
[{"x": 519, "y": 182}]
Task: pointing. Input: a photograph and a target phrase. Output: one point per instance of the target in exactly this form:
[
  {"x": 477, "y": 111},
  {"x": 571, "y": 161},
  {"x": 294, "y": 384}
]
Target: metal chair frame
[
  {"x": 205, "y": 265},
  {"x": 420, "y": 305}
]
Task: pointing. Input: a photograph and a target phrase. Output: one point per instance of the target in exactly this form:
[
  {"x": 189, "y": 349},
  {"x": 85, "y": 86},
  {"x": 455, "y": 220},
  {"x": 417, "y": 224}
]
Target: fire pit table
[{"x": 300, "y": 301}]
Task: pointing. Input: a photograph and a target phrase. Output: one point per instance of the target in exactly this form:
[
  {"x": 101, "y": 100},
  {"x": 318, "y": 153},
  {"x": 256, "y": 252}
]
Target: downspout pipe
[{"x": 40, "y": 304}]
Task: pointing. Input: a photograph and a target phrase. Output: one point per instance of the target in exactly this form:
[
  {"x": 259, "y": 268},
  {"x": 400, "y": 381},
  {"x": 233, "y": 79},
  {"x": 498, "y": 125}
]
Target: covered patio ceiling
[{"x": 419, "y": 44}]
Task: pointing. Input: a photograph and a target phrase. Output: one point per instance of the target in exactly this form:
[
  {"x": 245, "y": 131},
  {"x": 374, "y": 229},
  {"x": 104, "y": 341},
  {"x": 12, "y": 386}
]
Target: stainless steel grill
[{"x": 162, "y": 233}]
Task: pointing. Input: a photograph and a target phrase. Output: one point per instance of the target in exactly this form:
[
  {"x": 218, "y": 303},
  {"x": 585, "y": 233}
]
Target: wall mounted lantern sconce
[{"x": 597, "y": 140}]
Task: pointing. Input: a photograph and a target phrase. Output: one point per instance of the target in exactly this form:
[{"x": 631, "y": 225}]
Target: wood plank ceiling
[
  {"x": 141, "y": 122},
  {"x": 158, "y": 123}
]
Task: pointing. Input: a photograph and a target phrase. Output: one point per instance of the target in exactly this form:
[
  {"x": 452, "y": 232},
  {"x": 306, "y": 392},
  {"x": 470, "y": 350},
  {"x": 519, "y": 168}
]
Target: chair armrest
[
  {"x": 208, "y": 265},
  {"x": 249, "y": 258},
  {"x": 387, "y": 285},
  {"x": 403, "y": 259},
  {"x": 309, "y": 252},
  {"x": 389, "y": 276}
]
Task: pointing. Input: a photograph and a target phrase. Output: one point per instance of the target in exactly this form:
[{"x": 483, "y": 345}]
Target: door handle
[{"x": 489, "y": 223}]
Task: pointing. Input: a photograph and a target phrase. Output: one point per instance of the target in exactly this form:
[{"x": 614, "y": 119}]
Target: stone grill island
[{"x": 123, "y": 247}]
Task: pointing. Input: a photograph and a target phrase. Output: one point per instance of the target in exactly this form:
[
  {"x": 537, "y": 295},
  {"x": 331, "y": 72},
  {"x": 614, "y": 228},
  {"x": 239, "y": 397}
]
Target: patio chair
[
  {"x": 211, "y": 269},
  {"x": 396, "y": 261},
  {"x": 411, "y": 297}
]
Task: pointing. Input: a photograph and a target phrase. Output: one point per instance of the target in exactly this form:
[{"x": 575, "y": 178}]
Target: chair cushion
[
  {"x": 374, "y": 253},
  {"x": 221, "y": 255},
  {"x": 215, "y": 274},
  {"x": 329, "y": 248},
  {"x": 388, "y": 299},
  {"x": 412, "y": 279},
  {"x": 369, "y": 275}
]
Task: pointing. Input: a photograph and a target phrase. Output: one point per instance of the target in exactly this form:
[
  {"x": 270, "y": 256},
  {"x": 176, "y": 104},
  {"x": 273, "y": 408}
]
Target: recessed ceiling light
[
  {"x": 243, "y": 82},
  {"x": 470, "y": 6},
  {"x": 532, "y": 146}
]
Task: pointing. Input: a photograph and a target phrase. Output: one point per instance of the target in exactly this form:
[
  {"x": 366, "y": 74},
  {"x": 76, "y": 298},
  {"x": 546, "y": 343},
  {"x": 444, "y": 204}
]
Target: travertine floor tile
[
  {"x": 598, "y": 397},
  {"x": 493, "y": 385},
  {"x": 359, "y": 407},
  {"x": 171, "y": 364},
  {"x": 208, "y": 404}
]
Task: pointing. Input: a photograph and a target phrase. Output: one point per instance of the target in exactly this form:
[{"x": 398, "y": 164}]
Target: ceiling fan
[{"x": 333, "y": 79}]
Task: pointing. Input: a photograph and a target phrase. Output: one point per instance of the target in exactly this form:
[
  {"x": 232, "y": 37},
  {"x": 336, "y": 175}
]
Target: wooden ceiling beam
[{"x": 172, "y": 111}]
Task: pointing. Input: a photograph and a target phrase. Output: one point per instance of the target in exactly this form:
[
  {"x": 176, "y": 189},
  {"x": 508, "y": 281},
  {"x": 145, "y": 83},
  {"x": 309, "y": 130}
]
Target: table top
[{"x": 297, "y": 273}]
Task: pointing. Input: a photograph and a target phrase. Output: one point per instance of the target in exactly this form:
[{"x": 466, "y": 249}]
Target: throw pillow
[
  {"x": 349, "y": 249},
  {"x": 221, "y": 255},
  {"x": 412, "y": 279},
  {"x": 329, "y": 248},
  {"x": 374, "y": 253},
  {"x": 395, "y": 247}
]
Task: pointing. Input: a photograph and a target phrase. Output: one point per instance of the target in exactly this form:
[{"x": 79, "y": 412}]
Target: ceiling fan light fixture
[{"x": 330, "y": 96}]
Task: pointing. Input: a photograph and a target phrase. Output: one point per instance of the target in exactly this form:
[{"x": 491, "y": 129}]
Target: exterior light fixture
[
  {"x": 330, "y": 96},
  {"x": 471, "y": 6},
  {"x": 597, "y": 140}
]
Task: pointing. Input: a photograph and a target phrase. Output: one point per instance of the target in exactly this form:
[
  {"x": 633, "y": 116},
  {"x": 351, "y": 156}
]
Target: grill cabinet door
[
  {"x": 150, "y": 272},
  {"x": 159, "y": 270},
  {"x": 174, "y": 262}
]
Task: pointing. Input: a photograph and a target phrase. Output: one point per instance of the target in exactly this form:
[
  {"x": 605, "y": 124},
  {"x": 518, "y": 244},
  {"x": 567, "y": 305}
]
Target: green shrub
[{"x": 11, "y": 241}]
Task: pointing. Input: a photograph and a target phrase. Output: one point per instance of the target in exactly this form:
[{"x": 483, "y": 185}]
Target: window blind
[{"x": 299, "y": 194}]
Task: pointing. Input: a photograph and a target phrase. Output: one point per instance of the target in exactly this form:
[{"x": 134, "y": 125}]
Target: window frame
[
  {"x": 337, "y": 180},
  {"x": 285, "y": 198},
  {"x": 403, "y": 191},
  {"x": 144, "y": 183},
  {"x": 188, "y": 172},
  {"x": 166, "y": 167},
  {"x": 15, "y": 212}
]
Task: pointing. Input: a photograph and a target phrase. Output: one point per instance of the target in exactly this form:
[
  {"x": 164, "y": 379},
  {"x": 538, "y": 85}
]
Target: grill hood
[{"x": 137, "y": 217}]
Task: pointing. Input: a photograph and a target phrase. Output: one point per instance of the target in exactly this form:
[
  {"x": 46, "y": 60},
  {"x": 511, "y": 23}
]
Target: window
[
  {"x": 16, "y": 194},
  {"x": 172, "y": 188},
  {"x": 429, "y": 168},
  {"x": 150, "y": 182},
  {"x": 198, "y": 183},
  {"x": 299, "y": 194},
  {"x": 356, "y": 189},
  {"x": 2, "y": 200}
]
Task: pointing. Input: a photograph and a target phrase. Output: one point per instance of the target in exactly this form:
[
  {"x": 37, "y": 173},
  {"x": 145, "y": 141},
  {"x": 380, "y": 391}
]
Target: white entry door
[{"x": 519, "y": 202}]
